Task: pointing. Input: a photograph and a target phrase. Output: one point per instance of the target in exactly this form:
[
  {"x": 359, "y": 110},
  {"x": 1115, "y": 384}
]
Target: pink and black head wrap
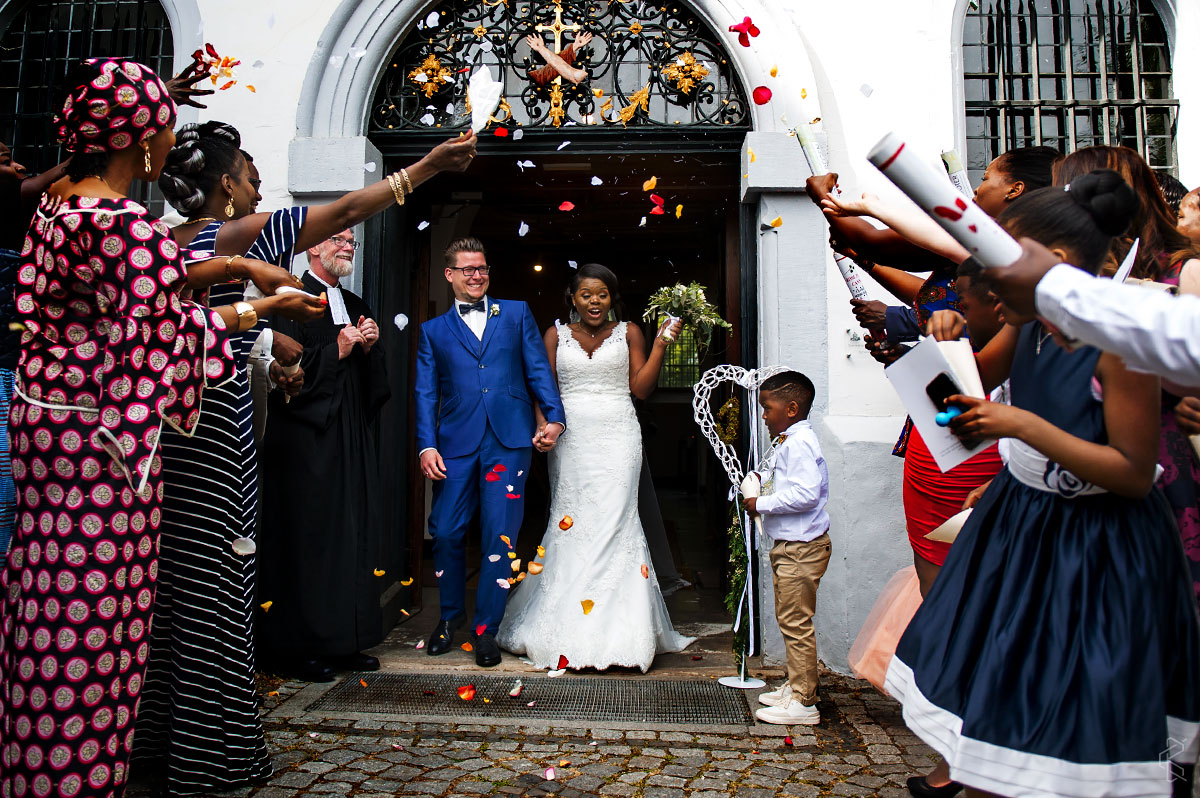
[{"x": 123, "y": 105}]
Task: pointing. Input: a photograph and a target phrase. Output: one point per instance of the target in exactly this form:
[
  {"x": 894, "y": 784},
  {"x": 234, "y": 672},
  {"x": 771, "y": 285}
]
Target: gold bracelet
[
  {"x": 229, "y": 269},
  {"x": 397, "y": 192},
  {"x": 247, "y": 316},
  {"x": 407, "y": 183}
]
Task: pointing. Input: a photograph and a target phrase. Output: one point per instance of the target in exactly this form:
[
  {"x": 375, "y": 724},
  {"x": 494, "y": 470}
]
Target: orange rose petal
[
  {"x": 506, "y": 540},
  {"x": 379, "y": 572},
  {"x": 535, "y": 568},
  {"x": 266, "y": 606},
  {"x": 363, "y": 682},
  {"x": 587, "y": 605},
  {"x": 405, "y": 582},
  {"x": 645, "y": 571},
  {"x": 253, "y": 90},
  {"x": 468, "y": 647},
  {"x": 566, "y": 523},
  {"x": 467, "y": 691}
]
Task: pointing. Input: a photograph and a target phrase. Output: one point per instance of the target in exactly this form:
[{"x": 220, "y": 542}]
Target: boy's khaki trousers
[{"x": 797, "y": 568}]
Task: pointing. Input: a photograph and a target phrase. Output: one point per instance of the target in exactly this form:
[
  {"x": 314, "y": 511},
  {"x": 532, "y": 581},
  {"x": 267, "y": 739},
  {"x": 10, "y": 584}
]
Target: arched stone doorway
[{"x": 336, "y": 139}]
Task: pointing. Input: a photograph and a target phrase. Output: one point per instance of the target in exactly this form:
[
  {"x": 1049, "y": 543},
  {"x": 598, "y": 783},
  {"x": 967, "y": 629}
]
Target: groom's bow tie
[{"x": 466, "y": 308}]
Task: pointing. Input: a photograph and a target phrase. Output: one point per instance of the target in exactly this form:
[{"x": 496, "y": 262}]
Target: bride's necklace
[{"x": 583, "y": 328}]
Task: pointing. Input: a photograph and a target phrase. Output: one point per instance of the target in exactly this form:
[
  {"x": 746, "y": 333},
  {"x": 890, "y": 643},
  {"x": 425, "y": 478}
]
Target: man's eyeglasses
[
  {"x": 343, "y": 242},
  {"x": 471, "y": 271}
]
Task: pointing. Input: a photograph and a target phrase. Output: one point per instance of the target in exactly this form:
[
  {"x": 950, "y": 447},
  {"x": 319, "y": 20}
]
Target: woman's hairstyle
[
  {"x": 1154, "y": 223},
  {"x": 1172, "y": 190},
  {"x": 605, "y": 275},
  {"x": 1033, "y": 166},
  {"x": 971, "y": 269},
  {"x": 1082, "y": 218},
  {"x": 202, "y": 155}
]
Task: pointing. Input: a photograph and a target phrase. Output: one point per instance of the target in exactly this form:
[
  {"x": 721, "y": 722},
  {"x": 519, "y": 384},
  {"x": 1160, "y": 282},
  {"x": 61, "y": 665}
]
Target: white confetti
[
  {"x": 642, "y": 223},
  {"x": 570, "y": 123},
  {"x": 427, "y": 120},
  {"x": 423, "y": 225},
  {"x": 526, "y": 165},
  {"x": 244, "y": 547},
  {"x": 357, "y": 52},
  {"x": 573, "y": 264},
  {"x": 531, "y": 703},
  {"x": 596, "y": 181},
  {"x": 494, "y": 558},
  {"x": 549, "y": 774},
  {"x": 370, "y": 166},
  {"x": 313, "y": 735},
  {"x": 486, "y": 45},
  {"x": 432, "y": 20},
  {"x": 558, "y": 672},
  {"x": 510, "y": 488},
  {"x": 503, "y": 583},
  {"x": 438, "y": 574},
  {"x": 421, "y": 77},
  {"x": 564, "y": 144},
  {"x": 518, "y": 134},
  {"x": 519, "y": 473},
  {"x": 866, "y": 90},
  {"x": 420, "y": 645},
  {"x": 257, "y": 65},
  {"x": 400, "y": 320},
  {"x": 450, "y": 108},
  {"x": 335, "y": 61},
  {"x": 523, "y": 229}
]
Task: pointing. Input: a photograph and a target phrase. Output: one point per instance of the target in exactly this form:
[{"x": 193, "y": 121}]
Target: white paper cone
[
  {"x": 961, "y": 217},
  {"x": 289, "y": 371},
  {"x": 958, "y": 173},
  {"x": 484, "y": 93},
  {"x": 852, "y": 274}
]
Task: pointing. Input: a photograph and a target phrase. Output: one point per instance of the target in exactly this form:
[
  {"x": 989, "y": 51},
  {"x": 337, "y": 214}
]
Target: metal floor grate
[{"x": 563, "y": 698}]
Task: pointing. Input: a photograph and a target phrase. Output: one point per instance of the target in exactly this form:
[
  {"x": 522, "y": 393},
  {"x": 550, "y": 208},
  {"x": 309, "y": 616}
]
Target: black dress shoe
[
  {"x": 310, "y": 670},
  {"x": 487, "y": 653},
  {"x": 357, "y": 662},
  {"x": 442, "y": 638},
  {"x": 921, "y": 788}
]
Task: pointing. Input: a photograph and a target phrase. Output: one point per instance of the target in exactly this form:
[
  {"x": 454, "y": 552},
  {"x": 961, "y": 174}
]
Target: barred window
[
  {"x": 1067, "y": 74},
  {"x": 681, "y": 363},
  {"x": 44, "y": 39}
]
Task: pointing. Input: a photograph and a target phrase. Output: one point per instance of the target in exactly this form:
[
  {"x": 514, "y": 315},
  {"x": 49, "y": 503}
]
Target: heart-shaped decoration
[{"x": 751, "y": 380}]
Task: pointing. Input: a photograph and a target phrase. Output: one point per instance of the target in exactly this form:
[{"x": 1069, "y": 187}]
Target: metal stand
[{"x": 741, "y": 682}]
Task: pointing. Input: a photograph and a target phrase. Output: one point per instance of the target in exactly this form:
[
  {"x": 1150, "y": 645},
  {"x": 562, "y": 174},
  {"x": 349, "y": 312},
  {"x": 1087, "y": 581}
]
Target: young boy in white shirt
[{"x": 795, "y": 490}]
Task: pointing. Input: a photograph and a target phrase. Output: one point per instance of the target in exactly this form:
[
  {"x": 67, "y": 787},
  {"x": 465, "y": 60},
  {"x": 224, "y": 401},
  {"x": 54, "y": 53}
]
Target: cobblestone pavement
[{"x": 862, "y": 748}]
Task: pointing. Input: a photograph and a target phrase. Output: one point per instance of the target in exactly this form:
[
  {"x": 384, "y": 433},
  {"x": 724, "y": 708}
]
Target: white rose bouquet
[{"x": 688, "y": 304}]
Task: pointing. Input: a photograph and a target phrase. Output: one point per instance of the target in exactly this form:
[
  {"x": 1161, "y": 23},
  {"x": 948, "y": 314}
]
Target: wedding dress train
[{"x": 597, "y": 602}]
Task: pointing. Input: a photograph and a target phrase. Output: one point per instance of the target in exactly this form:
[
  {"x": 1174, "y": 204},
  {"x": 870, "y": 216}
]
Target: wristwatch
[{"x": 247, "y": 317}]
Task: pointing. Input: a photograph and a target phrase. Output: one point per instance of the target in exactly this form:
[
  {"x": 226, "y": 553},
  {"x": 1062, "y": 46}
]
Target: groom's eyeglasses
[
  {"x": 471, "y": 271},
  {"x": 338, "y": 241}
]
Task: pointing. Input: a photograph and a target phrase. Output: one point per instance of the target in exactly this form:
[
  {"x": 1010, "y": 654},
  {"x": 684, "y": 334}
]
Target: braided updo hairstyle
[
  {"x": 201, "y": 156},
  {"x": 1083, "y": 217}
]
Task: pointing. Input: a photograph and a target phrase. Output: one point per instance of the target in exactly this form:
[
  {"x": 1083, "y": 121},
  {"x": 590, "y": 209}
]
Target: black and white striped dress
[{"x": 198, "y": 717}]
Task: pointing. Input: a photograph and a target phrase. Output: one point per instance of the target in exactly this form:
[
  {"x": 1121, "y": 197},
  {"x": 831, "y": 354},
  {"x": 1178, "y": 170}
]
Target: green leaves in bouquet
[{"x": 688, "y": 303}]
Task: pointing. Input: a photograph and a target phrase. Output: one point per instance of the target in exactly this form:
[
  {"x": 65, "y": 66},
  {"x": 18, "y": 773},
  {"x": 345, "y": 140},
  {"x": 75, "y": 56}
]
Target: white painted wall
[{"x": 904, "y": 52}]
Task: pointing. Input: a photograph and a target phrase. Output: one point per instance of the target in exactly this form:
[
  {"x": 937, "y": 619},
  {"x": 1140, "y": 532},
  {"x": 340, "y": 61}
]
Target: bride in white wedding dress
[{"x": 597, "y": 602}]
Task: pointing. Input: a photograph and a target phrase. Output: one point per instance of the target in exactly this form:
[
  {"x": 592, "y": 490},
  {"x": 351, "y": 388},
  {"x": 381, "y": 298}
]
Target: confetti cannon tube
[
  {"x": 957, "y": 172},
  {"x": 937, "y": 196},
  {"x": 289, "y": 371},
  {"x": 851, "y": 272}
]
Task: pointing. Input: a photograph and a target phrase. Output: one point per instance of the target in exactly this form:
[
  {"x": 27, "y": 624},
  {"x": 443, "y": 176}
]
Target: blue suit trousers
[{"x": 501, "y": 505}]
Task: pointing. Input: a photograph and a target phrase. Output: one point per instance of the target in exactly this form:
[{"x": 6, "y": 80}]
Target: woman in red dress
[{"x": 109, "y": 354}]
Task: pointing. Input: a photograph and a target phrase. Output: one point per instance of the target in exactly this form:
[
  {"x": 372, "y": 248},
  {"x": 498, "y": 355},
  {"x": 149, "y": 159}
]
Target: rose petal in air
[
  {"x": 567, "y": 205},
  {"x": 400, "y": 320},
  {"x": 573, "y": 264},
  {"x": 494, "y": 558},
  {"x": 564, "y": 144},
  {"x": 503, "y": 583},
  {"x": 438, "y": 574},
  {"x": 244, "y": 547},
  {"x": 522, "y": 230},
  {"x": 518, "y": 134},
  {"x": 762, "y": 95},
  {"x": 596, "y": 181},
  {"x": 554, "y": 673}
]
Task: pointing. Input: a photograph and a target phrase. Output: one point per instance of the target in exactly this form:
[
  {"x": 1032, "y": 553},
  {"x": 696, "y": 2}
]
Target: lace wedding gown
[{"x": 602, "y": 558}]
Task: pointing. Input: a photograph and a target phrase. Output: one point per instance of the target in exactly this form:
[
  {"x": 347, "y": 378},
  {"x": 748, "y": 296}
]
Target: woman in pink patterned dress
[{"x": 109, "y": 354}]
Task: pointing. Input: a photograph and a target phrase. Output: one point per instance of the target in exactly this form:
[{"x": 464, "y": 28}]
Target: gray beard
[{"x": 336, "y": 266}]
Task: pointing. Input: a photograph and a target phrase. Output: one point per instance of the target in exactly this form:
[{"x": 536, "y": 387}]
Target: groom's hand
[{"x": 432, "y": 465}]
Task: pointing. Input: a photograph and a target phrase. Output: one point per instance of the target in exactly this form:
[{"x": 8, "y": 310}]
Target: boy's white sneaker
[
  {"x": 777, "y": 697},
  {"x": 791, "y": 713}
]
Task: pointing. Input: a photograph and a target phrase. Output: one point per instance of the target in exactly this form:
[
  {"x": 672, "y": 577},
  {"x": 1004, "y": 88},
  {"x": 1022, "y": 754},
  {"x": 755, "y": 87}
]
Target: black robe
[{"x": 321, "y": 524}]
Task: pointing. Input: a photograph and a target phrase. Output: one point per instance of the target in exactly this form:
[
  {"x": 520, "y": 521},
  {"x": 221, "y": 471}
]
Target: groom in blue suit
[{"x": 476, "y": 367}]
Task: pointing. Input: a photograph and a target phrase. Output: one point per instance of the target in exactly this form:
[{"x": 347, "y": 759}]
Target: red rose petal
[
  {"x": 762, "y": 95},
  {"x": 562, "y": 662},
  {"x": 499, "y": 468},
  {"x": 492, "y": 477},
  {"x": 657, "y": 200},
  {"x": 657, "y": 211},
  {"x": 500, "y": 132},
  {"x": 567, "y": 206},
  {"x": 481, "y": 628}
]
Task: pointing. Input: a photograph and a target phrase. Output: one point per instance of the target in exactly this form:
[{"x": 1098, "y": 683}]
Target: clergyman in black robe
[{"x": 322, "y": 530}]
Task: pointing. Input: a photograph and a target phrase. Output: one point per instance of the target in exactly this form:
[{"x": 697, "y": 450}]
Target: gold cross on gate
[{"x": 558, "y": 28}]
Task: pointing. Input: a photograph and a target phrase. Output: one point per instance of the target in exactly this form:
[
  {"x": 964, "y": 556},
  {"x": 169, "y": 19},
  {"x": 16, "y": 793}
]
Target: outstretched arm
[{"x": 644, "y": 371}]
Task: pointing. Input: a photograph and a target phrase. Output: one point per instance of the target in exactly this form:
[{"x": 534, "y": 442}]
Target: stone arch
[{"x": 335, "y": 97}]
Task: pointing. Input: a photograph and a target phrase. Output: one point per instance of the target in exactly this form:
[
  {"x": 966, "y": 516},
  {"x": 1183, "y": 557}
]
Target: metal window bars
[{"x": 1067, "y": 74}]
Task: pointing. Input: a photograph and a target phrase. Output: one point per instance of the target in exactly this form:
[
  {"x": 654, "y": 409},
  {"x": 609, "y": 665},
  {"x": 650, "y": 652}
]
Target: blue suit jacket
[{"x": 464, "y": 384}]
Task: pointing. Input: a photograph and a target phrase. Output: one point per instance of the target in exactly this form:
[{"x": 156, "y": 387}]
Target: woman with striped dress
[{"x": 200, "y": 720}]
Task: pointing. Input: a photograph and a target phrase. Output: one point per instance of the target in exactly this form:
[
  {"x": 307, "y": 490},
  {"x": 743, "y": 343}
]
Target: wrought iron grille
[
  {"x": 1067, "y": 74},
  {"x": 648, "y": 66},
  {"x": 45, "y": 39}
]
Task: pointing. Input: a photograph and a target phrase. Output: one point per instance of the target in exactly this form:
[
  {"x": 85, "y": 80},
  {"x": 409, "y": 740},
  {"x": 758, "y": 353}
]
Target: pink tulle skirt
[{"x": 876, "y": 643}]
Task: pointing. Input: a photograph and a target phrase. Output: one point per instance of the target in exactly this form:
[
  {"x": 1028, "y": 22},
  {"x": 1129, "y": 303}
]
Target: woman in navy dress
[{"x": 1057, "y": 652}]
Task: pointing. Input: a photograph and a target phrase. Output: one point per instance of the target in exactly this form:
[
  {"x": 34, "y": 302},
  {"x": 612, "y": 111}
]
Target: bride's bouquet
[{"x": 688, "y": 304}]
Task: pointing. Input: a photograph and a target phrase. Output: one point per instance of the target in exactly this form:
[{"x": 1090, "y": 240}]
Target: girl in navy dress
[{"x": 1058, "y": 651}]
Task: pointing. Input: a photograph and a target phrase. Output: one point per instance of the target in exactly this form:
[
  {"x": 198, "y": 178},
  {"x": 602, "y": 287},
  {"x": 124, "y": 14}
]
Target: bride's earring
[
  {"x": 574, "y": 317},
  {"x": 612, "y": 315}
]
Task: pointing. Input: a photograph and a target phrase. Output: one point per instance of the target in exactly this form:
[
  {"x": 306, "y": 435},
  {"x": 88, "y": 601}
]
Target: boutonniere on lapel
[{"x": 494, "y": 311}]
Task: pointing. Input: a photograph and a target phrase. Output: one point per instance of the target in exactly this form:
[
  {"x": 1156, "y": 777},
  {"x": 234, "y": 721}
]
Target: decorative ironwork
[
  {"x": 1067, "y": 74},
  {"x": 645, "y": 67}
]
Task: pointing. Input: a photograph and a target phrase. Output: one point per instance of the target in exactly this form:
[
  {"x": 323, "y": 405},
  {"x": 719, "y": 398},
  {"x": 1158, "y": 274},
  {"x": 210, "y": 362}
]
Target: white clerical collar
[{"x": 337, "y": 303}]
